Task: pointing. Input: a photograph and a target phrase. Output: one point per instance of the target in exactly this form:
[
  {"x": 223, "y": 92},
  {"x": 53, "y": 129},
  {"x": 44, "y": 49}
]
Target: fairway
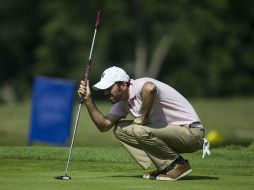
[
  {"x": 233, "y": 118},
  {"x": 112, "y": 168}
]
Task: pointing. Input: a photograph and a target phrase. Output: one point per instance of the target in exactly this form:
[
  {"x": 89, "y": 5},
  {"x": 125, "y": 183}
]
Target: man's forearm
[
  {"x": 101, "y": 122},
  {"x": 148, "y": 96}
]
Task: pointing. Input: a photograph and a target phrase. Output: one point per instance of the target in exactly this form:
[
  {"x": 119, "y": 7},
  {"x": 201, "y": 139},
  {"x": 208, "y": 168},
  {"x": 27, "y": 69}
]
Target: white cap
[{"x": 110, "y": 76}]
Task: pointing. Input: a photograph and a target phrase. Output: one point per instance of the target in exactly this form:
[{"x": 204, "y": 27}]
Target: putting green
[{"x": 112, "y": 168}]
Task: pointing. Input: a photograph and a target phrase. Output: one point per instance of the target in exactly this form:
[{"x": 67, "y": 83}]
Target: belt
[{"x": 197, "y": 124}]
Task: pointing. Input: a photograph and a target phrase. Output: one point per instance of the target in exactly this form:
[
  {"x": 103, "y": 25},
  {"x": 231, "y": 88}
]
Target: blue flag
[{"x": 52, "y": 108}]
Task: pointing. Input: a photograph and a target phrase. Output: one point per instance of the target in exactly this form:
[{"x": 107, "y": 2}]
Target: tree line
[{"x": 202, "y": 48}]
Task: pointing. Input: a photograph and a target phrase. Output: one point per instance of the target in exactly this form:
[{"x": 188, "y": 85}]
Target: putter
[{"x": 87, "y": 70}]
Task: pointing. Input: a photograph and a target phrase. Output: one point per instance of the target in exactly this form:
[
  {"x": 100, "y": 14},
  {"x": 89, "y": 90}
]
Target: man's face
[{"x": 114, "y": 93}]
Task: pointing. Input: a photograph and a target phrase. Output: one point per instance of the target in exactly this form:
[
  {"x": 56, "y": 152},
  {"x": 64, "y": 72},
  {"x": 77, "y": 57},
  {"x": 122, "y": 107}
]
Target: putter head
[{"x": 64, "y": 177}]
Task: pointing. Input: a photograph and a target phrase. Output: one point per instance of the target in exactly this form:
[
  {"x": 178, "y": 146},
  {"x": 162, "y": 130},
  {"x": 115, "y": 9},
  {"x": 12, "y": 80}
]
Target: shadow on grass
[
  {"x": 193, "y": 177},
  {"x": 198, "y": 177},
  {"x": 132, "y": 176}
]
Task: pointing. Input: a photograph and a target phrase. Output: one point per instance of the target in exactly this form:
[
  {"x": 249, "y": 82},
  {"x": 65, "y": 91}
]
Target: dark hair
[{"x": 121, "y": 82}]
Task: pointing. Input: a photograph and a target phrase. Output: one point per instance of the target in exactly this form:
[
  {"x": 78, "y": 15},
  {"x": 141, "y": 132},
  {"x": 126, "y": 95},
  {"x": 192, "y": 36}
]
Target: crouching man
[{"x": 165, "y": 124}]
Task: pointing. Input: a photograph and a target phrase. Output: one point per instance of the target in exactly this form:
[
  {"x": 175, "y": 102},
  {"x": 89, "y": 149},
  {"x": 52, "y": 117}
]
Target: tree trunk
[{"x": 152, "y": 69}]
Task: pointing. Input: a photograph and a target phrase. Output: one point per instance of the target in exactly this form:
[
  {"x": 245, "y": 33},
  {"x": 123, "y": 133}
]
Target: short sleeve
[{"x": 120, "y": 109}]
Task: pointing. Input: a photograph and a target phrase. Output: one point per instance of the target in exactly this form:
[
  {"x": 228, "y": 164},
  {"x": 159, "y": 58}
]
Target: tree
[
  {"x": 18, "y": 38},
  {"x": 203, "y": 48}
]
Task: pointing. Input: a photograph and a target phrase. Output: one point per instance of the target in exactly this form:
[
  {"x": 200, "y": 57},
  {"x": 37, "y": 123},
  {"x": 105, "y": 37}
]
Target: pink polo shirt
[{"x": 169, "y": 107}]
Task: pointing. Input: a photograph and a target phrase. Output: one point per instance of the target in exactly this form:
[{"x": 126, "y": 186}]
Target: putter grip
[{"x": 85, "y": 78}]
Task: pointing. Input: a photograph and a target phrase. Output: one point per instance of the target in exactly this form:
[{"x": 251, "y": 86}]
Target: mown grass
[
  {"x": 232, "y": 118},
  {"x": 112, "y": 168}
]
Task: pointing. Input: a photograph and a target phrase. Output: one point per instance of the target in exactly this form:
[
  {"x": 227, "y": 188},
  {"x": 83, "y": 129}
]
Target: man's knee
[
  {"x": 140, "y": 133},
  {"x": 121, "y": 127},
  {"x": 117, "y": 130}
]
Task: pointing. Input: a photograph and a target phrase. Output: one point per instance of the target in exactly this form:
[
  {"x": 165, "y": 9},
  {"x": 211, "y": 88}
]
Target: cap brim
[{"x": 102, "y": 85}]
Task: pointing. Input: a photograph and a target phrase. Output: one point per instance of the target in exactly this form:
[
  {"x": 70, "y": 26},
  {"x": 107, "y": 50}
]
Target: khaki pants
[{"x": 159, "y": 145}]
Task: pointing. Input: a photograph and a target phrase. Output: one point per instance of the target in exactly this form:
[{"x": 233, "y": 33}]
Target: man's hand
[
  {"x": 141, "y": 121},
  {"x": 102, "y": 122},
  {"x": 84, "y": 90}
]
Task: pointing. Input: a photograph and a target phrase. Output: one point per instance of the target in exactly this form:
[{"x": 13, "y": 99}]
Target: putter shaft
[
  {"x": 73, "y": 136},
  {"x": 81, "y": 99}
]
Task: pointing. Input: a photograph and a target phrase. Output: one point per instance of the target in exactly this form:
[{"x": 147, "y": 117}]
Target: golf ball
[{"x": 214, "y": 137}]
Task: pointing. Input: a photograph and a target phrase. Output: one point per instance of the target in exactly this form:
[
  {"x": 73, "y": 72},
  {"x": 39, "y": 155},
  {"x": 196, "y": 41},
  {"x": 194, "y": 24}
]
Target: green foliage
[
  {"x": 19, "y": 23},
  {"x": 211, "y": 53}
]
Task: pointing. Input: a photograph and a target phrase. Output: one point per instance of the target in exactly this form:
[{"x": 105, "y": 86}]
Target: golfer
[{"x": 164, "y": 126}]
